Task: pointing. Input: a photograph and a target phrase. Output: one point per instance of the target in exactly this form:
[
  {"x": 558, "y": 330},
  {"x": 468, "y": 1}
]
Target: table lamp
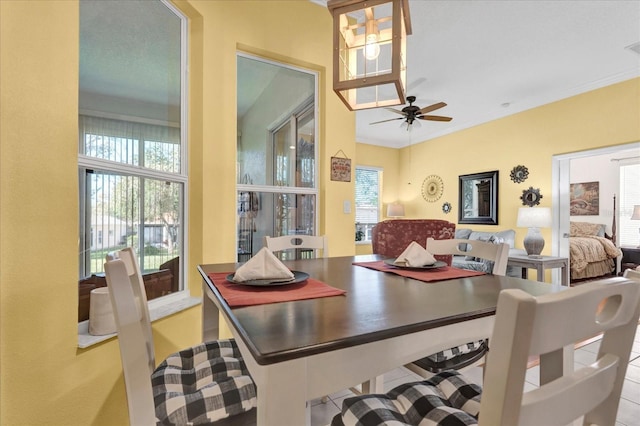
[
  {"x": 636, "y": 214},
  {"x": 534, "y": 218},
  {"x": 395, "y": 210}
]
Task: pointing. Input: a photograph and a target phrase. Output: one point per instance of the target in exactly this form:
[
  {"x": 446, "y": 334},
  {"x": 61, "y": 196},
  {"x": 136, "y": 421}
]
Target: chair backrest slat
[
  {"x": 498, "y": 253},
  {"x": 287, "y": 242},
  {"x": 528, "y": 326},
  {"x": 129, "y": 300}
]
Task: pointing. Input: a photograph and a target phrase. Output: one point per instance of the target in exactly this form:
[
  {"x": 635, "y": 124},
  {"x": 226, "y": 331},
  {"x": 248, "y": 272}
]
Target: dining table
[{"x": 372, "y": 318}]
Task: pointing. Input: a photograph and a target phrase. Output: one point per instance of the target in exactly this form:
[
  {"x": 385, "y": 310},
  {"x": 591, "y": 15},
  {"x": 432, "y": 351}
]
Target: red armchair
[{"x": 391, "y": 237}]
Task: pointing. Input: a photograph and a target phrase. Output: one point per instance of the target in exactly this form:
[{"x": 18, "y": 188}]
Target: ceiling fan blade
[
  {"x": 435, "y": 118},
  {"x": 396, "y": 111},
  {"x": 391, "y": 119},
  {"x": 432, "y": 107}
]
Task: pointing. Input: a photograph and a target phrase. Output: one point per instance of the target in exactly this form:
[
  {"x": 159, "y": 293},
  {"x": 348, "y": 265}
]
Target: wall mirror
[{"x": 478, "y": 202}]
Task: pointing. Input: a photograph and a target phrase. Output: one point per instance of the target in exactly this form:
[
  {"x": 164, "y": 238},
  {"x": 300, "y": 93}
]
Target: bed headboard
[{"x": 579, "y": 229}]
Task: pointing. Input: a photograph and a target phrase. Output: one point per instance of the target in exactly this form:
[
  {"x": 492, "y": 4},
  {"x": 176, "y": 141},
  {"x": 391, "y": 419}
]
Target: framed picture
[
  {"x": 341, "y": 169},
  {"x": 584, "y": 199}
]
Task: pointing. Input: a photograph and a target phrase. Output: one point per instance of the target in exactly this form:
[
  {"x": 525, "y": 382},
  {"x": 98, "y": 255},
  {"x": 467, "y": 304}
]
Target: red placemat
[
  {"x": 429, "y": 275},
  {"x": 244, "y": 295}
]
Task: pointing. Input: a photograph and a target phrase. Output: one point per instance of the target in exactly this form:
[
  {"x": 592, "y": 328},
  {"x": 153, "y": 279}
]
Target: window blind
[
  {"x": 367, "y": 200},
  {"x": 629, "y": 196}
]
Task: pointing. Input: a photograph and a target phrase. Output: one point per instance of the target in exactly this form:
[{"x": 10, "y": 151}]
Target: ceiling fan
[{"x": 412, "y": 113}]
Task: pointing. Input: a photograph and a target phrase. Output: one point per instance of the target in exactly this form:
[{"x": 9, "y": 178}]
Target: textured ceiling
[{"x": 130, "y": 50}]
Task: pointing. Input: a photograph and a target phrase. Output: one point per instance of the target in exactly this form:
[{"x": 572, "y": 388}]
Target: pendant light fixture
[{"x": 369, "y": 51}]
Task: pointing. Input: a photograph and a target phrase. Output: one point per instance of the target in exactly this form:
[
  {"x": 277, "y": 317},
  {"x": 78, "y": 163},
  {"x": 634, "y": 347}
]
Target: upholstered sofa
[
  {"x": 390, "y": 237},
  {"x": 504, "y": 236}
]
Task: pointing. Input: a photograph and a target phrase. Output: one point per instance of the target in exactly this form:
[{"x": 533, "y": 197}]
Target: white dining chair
[
  {"x": 633, "y": 274},
  {"x": 494, "y": 257},
  {"x": 199, "y": 385},
  {"x": 306, "y": 242},
  {"x": 527, "y": 326}
]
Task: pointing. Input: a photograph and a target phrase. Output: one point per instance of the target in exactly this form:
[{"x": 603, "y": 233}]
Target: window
[
  {"x": 277, "y": 151},
  {"x": 367, "y": 201},
  {"x": 138, "y": 203},
  {"x": 132, "y": 144},
  {"x": 629, "y": 197}
]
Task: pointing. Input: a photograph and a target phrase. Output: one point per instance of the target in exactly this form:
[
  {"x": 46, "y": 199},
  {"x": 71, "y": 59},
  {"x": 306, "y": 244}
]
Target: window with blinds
[
  {"x": 367, "y": 201},
  {"x": 629, "y": 230},
  {"x": 132, "y": 144},
  {"x": 131, "y": 192}
]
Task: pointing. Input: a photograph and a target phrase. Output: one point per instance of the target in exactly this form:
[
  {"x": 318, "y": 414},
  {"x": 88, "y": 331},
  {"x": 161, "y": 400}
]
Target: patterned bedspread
[{"x": 585, "y": 250}]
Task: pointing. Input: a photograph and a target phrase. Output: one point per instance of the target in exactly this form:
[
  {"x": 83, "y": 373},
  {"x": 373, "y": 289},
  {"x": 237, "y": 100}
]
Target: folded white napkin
[
  {"x": 415, "y": 255},
  {"x": 264, "y": 265}
]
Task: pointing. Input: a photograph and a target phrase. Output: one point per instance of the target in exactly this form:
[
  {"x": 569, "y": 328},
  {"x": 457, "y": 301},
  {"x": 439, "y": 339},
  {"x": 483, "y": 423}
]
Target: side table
[
  {"x": 540, "y": 264},
  {"x": 630, "y": 258}
]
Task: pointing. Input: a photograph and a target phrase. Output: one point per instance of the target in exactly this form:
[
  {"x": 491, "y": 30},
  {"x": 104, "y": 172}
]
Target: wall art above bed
[{"x": 584, "y": 199}]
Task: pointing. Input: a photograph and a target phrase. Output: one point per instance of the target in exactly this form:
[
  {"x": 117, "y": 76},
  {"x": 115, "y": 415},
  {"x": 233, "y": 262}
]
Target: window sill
[
  {"x": 158, "y": 309},
  {"x": 361, "y": 243}
]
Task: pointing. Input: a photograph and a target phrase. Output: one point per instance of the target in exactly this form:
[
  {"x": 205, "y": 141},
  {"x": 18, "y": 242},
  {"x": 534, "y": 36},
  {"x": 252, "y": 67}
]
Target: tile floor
[{"x": 628, "y": 412}]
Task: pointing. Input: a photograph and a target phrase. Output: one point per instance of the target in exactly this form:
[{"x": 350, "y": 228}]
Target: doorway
[{"x": 561, "y": 180}]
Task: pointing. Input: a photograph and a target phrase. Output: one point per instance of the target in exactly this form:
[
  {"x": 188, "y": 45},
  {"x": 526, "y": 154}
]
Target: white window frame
[
  {"x": 285, "y": 189},
  {"x": 369, "y": 225},
  {"x": 627, "y": 228}
]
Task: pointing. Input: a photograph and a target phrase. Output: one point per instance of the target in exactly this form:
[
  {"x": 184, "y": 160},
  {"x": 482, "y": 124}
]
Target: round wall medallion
[
  {"x": 446, "y": 208},
  {"x": 531, "y": 197},
  {"x": 519, "y": 174},
  {"x": 432, "y": 188}
]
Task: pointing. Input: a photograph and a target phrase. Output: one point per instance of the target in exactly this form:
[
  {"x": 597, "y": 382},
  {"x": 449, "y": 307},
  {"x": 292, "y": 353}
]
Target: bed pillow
[{"x": 586, "y": 229}]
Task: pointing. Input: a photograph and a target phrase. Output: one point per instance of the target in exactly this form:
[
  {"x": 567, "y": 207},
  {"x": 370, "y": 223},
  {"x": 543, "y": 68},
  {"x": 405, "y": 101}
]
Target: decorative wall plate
[
  {"x": 432, "y": 188},
  {"x": 519, "y": 174},
  {"x": 446, "y": 208},
  {"x": 531, "y": 197}
]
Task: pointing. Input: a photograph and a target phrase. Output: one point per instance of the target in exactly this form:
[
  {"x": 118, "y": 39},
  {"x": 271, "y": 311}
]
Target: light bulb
[{"x": 371, "y": 47}]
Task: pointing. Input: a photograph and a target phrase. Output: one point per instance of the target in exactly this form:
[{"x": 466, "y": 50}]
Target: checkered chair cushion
[
  {"x": 456, "y": 351},
  {"x": 446, "y": 399},
  {"x": 451, "y": 359},
  {"x": 202, "y": 384}
]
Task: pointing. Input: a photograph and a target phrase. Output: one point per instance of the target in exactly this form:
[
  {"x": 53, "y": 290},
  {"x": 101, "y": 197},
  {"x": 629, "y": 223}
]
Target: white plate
[
  {"x": 298, "y": 277},
  {"x": 438, "y": 264}
]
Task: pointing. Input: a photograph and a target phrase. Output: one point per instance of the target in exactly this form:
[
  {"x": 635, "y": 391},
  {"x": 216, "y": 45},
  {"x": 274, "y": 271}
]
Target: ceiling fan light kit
[
  {"x": 410, "y": 114},
  {"x": 369, "y": 51}
]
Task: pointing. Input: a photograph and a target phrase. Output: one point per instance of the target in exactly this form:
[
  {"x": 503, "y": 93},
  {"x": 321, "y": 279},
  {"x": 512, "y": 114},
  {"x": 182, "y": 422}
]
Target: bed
[{"x": 592, "y": 253}]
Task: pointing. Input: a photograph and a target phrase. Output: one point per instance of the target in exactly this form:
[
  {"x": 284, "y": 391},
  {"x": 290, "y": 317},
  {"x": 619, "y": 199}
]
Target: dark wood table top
[{"x": 377, "y": 306}]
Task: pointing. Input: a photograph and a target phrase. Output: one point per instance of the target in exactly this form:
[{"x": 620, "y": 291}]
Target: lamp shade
[
  {"x": 395, "y": 210},
  {"x": 636, "y": 213},
  {"x": 534, "y": 217}
]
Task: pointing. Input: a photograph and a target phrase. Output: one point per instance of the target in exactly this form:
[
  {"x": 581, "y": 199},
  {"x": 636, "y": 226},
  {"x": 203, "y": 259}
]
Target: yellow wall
[
  {"x": 45, "y": 379},
  {"x": 604, "y": 117}
]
